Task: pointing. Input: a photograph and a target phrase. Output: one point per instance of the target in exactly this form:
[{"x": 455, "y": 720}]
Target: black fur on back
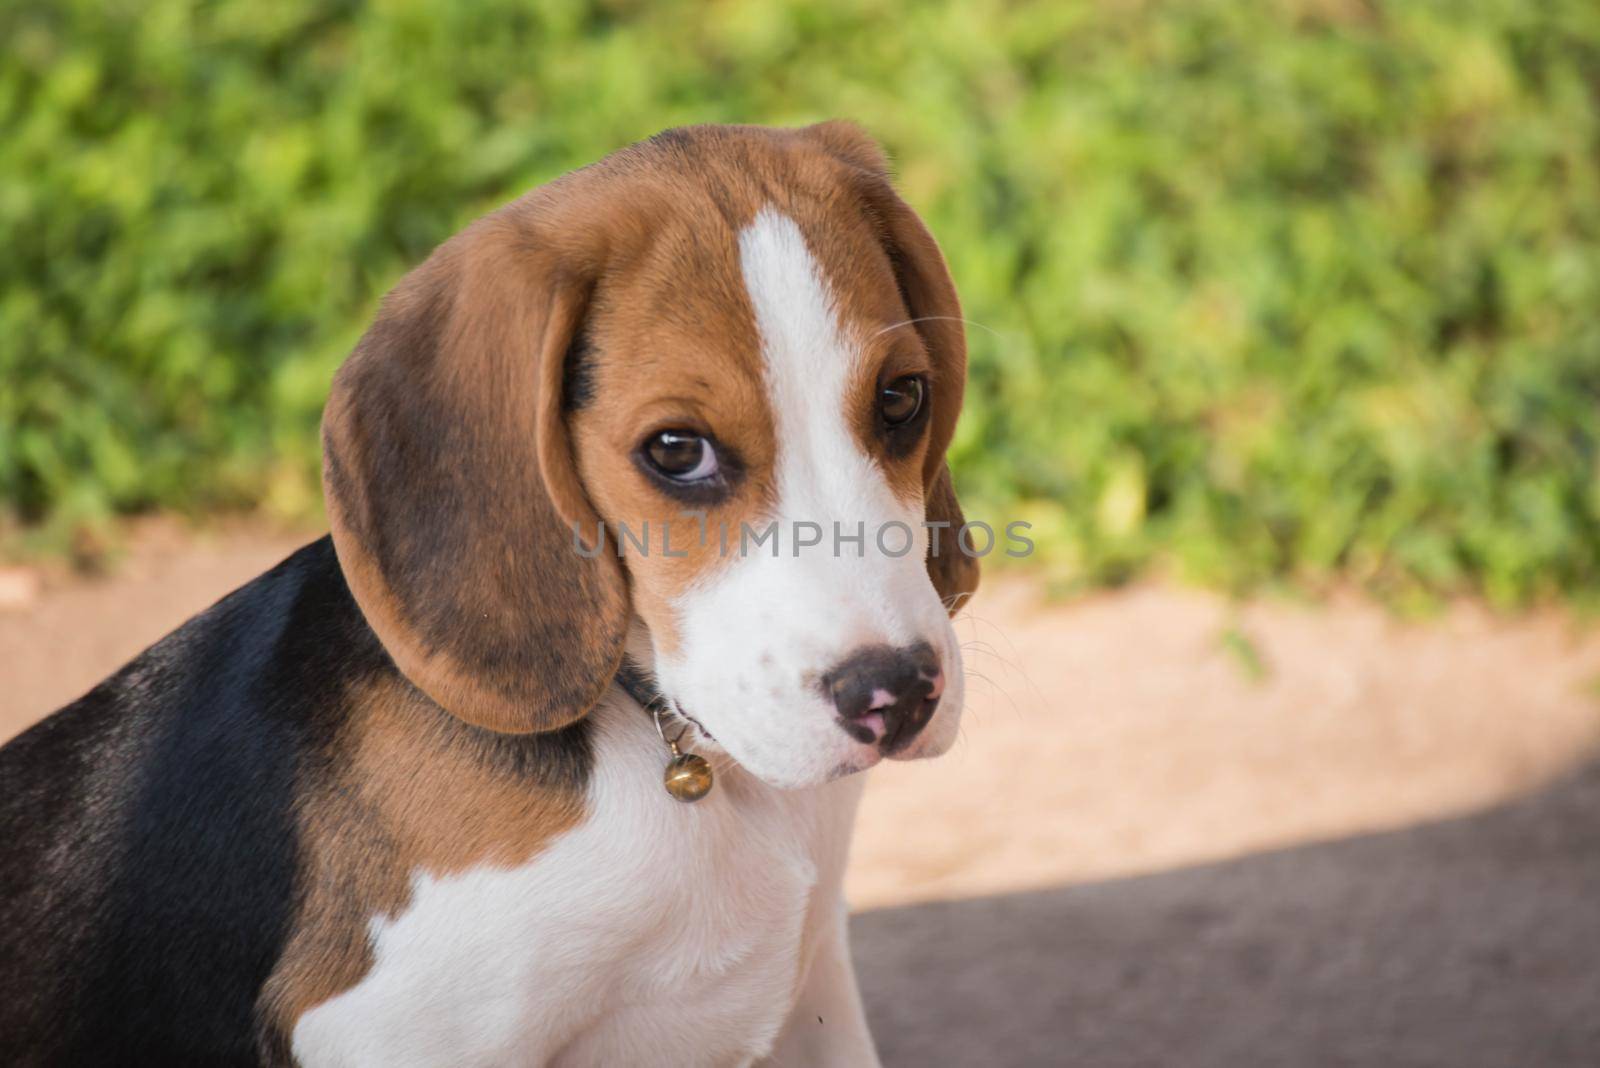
[{"x": 148, "y": 833}]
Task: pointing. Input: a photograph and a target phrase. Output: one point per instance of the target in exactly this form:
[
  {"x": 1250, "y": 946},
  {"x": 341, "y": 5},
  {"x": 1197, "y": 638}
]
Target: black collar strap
[
  {"x": 641, "y": 685},
  {"x": 688, "y": 776}
]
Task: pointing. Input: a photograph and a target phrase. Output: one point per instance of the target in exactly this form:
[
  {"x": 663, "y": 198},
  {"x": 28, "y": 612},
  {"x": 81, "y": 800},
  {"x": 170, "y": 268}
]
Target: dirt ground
[{"x": 1176, "y": 831}]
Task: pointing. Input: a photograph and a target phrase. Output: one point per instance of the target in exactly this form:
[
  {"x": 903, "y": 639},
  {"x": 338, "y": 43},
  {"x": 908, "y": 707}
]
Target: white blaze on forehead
[
  {"x": 810, "y": 362},
  {"x": 806, "y": 355}
]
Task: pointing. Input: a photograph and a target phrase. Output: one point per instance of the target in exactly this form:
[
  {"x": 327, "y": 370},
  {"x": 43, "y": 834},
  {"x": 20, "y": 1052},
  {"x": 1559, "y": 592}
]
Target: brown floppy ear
[
  {"x": 935, "y": 311},
  {"x": 451, "y": 486},
  {"x": 954, "y": 573}
]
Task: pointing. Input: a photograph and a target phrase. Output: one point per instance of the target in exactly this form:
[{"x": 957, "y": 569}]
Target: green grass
[{"x": 1271, "y": 292}]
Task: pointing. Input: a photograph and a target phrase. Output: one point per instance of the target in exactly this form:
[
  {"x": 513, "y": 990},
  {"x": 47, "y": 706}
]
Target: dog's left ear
[
  {"x": 451, "y": 486},
  {"x": 935, "y": 311}
]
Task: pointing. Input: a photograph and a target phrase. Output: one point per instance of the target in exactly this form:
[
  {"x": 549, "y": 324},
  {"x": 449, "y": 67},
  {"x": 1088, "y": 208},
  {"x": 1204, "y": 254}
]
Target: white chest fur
[{"x": 653, "y": 933}]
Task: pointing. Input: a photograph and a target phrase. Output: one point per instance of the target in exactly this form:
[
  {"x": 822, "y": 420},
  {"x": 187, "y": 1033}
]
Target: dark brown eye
[
  {"x": 681, "y": 455},
  {"x": 900, "y": 401}
]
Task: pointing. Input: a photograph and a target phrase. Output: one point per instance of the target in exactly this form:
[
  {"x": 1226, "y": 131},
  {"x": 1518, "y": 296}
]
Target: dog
[{"x": 399, "y": 800}]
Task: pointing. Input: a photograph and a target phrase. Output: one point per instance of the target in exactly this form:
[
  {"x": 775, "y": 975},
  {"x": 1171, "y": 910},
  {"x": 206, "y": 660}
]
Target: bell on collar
[{"x": 688, "y": 775}]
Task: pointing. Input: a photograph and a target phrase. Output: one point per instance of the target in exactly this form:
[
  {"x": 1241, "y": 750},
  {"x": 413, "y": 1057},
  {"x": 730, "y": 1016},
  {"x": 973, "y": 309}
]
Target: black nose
[{"x": 886, "y": 695}]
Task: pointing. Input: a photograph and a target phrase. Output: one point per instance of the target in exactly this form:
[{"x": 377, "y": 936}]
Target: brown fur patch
[
  {"x": 679, "y": 351},
  {"x": 406, "y": 788}
]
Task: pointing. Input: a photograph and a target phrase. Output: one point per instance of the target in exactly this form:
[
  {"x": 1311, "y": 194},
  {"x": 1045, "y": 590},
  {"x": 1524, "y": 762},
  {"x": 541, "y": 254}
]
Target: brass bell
[{"x": 688, "y": 776}]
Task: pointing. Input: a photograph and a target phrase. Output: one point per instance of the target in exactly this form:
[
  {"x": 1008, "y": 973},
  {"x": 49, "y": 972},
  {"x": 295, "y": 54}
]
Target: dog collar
[{"x": 688, "y": 775}]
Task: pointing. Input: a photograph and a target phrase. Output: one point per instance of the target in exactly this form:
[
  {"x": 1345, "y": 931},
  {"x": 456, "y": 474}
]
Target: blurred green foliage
[{"x": 1303, "y": 290}]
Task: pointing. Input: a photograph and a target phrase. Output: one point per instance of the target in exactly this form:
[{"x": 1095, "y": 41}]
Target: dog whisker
[
  {"x": 1013, "y": 669},
  {"x": 937, "y": 318},
  {"x": 955, "y": 600}
]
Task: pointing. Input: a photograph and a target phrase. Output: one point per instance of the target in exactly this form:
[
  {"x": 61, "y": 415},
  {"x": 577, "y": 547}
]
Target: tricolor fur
[{"x": 385, "y": 805}]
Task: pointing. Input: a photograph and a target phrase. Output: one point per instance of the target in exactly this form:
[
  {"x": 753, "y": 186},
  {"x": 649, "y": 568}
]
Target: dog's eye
[
  {"x": 681, "y": 455},
  {"x": 900, "y": 401}
]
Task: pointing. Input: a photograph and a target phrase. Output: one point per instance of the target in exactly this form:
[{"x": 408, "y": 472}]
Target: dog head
[{"x": 706, "y": 384}]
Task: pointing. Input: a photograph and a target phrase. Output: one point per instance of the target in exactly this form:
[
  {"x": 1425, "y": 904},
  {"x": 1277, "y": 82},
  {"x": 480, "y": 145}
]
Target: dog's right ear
[{"x": 452, "y": 489}]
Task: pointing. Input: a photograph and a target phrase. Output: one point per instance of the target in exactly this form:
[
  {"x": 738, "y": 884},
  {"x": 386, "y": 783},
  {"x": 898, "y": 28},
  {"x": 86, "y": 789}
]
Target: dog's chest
[{"x": 653, "y": 933}]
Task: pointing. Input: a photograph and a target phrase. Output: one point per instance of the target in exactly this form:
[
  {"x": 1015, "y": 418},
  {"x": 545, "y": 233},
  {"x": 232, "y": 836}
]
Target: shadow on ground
[{"x": 1471, "y": 942}]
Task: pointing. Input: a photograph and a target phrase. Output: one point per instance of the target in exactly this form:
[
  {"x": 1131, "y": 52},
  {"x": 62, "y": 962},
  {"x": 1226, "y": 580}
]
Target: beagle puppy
[{"x": 388, "y": 804}]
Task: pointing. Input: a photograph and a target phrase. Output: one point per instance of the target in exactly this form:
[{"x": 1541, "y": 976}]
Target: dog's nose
[{"x": 886, "y": 695}]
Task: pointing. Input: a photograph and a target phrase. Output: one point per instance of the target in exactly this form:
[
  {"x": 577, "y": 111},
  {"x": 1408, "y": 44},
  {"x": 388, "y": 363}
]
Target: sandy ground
[{"x": 1176, "y": 831}]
